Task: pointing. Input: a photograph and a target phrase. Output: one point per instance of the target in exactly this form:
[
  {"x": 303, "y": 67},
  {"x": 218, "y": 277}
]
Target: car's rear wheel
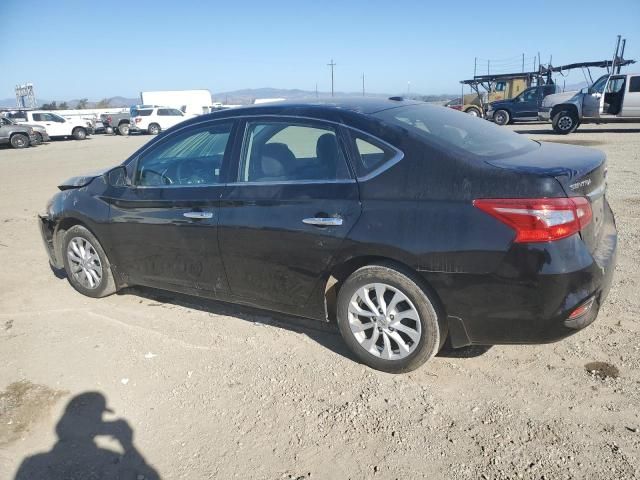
[
  {"x": 87, "y": 266},
  {"x": 501, "y": 117},
  {"x": 123, "y": 129},
  {"x": 39, "y": 139},
  {"x": 388, "y": 320},
  {"x": 79, "y": 133},
  {"x": 154, "y": 129},
  {"x": 19, "y": 140},
  {"x": 565, "y": 122}
]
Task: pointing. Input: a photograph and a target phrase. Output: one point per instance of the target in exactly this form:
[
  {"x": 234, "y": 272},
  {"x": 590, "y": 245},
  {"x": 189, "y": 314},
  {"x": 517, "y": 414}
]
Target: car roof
[{"x": 363, "y": 105}]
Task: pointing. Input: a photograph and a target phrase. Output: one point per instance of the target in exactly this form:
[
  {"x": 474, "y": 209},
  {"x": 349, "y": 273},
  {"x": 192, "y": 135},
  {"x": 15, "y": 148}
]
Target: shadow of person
[{"x": 76, "y": 455}]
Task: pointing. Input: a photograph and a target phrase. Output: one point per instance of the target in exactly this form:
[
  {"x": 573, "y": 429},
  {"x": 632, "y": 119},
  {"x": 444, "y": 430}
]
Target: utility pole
[
  {"x": 523, "y": 63},
  {"x": 316, "y": 89},
  {"x": 363, "y": 84},
  {"x": 332, "y": 64}
]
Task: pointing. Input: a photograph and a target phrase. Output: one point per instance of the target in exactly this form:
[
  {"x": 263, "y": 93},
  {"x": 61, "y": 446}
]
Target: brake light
[
  {"x": 582, "y": 309},
  {"x": 539, "y": 219},
  {"x": 138, "y": 119},
  {"x": 109, "y": 119}
]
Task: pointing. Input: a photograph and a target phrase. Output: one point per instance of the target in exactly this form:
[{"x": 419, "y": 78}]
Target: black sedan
[{"x": 408, "y": 224}]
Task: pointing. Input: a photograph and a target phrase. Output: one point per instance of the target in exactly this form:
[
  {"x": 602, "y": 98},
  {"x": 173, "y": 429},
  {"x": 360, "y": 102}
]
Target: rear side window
[
  {"x": 141, "y": 113},
  {"x": 282, "y": 151},
  {"x": 371, "y": 154},
  {"x": 634, "y": 84}
]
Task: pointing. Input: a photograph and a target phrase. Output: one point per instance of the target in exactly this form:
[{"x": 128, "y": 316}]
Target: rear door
[
  {"x": 631, "y": 103},
  {"x": 165, "y": 225},
  {"x": 286, "y": 215}
]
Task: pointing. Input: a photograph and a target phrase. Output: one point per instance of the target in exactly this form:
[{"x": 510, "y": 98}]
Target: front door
[
  {"x": 166, "y": 223},
  {"x": 526, "y": 104},
  {"x": 55, "y": 125},
  {"x": 593, "y": 100},
  {"x": 168, "y": 117},
  {"x": 288, "y": 212}
]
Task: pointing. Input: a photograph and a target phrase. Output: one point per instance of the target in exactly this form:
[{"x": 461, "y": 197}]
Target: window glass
[
  {"x": 38, "y": 117},
  {"x": 615, "y": 85},
  {"x": 192, "y": 157},
  {"x": 501, "y": 86},
  {"x": 599, "y": 84},
  {"x": 370, "y": 155},
  {"x": 452, "y": 130},
  {"x": 175, "y": 112},
  {"x": 634, "y": 84},
  {"x": 530, "y": 95},
  {"x": 280, "y": 151},
  {"x": 4, "y": 121},
  {"x": 163, "y": 112}
]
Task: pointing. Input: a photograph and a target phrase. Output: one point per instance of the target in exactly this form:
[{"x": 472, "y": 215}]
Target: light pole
[{"x": 332, "y": 64}]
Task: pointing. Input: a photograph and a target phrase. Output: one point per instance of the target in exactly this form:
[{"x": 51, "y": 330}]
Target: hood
[
  {"x": 82, "y": 180},
  {"x": 556, "y": 98},
  {"x": 500, "y": 103}
]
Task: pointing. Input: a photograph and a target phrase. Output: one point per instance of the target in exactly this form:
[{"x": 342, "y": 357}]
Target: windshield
[{"x": 454, "y": 130}]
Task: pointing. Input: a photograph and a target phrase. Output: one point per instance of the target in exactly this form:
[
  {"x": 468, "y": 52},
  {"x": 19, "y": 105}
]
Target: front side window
[
  {"x": 281, "y": 151},
  {"x": 163, "y": 112},
  {"x": 501, "y": 87},
  {"x": 452, "y": 130},
  {"x": 175, "y": 112},
  {"x": 189, "y": 157},
  {"x": 598, "y": 86},
  {"x": 529, "y": 95}
]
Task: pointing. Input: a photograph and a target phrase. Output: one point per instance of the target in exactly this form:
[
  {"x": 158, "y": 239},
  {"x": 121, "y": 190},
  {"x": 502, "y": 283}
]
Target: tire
[
  {"x": 19, "y": 140},
  {"x": 422, "y": 338},
  {"x": 123, "y": 129},
  {"x": 79, "y": 133},
  {"x": 501, "y": 117},
  {"x": 153, "y": 129},
  {"x": 39, "y": 139},
  {"x": 565, "y": 122},
  {"x": 78, "y": 265},
  {"x": 474, "y": 112},
  {"x": 109, "y": 131}
]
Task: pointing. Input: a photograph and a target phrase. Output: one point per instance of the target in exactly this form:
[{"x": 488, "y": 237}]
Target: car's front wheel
[
  {"x": 501, "y": 117},
  {"x": 565, "y": 122},
  {"x": 19, "y": 140},
  {"x": 86, "y": 263},
  {"x": 388, "y": 320}
]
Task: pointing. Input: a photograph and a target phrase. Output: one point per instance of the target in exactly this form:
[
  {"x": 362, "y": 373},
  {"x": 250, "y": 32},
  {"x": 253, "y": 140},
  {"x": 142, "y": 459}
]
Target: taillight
[
  {"x": 539, "y": 219},
  {"x": 138, "y": 119},
  {"x": 109, "y": 119}
]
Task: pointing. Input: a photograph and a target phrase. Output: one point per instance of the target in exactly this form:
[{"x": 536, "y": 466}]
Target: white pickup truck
[{"x": 55, "y": 125}]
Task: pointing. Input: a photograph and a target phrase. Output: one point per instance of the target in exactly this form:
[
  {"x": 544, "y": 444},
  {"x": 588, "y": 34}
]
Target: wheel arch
[
  {"x": 564, "y": 106},
  {"x": 342, "y": 270}
]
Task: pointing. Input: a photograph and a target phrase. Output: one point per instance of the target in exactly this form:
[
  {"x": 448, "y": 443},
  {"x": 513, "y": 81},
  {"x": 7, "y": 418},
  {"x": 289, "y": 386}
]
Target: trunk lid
[{"x": 581, "y": 171}]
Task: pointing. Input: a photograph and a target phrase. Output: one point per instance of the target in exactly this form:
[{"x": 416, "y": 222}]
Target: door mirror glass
[
  {"x": 117, "y": 177},
  {"x": 585, "y": 90}
]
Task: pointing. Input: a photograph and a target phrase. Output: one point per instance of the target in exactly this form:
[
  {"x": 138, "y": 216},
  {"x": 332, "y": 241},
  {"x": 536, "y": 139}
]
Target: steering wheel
[
  {"x": 163, "y": 177},
  {"x": 192, "y": 172}
]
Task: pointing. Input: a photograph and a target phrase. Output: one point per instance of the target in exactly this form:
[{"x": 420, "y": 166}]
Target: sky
[{"x": 89, "y": 49}]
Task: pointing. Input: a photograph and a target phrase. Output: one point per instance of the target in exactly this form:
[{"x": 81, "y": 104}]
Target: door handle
[
  {"x": 198, "y": 215},
  {"x": 323, "y": 221}
]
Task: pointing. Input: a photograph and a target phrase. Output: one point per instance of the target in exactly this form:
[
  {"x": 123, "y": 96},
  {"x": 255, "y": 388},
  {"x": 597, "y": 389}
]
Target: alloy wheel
[
  {"x": 84, "y": 263},
  {"x": 384, "y": 321}
]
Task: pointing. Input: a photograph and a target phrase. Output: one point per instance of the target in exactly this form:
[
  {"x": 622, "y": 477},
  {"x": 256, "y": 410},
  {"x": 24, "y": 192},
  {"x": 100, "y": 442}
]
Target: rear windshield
[
  {"x": 140, "y": 113},
  {"x": 453, "y": 130}
]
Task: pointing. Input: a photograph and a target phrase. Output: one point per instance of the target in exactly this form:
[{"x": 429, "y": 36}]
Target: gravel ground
[{"x": 202, "y": 389}]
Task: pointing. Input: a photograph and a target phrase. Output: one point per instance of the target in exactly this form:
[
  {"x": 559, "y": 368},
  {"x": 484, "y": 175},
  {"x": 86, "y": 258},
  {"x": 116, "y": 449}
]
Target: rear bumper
[{"x": 528, "y": 300}]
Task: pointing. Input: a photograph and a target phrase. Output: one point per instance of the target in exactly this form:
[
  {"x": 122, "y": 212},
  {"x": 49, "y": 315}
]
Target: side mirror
[
  {"x": 117, "y": 177},
  {"x": 585, "y": 90}
]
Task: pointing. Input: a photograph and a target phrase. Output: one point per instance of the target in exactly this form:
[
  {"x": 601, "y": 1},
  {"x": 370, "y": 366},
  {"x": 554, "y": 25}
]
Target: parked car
[
  {"x": 611, "y": 98},
  {"x": 16, "y": 135},
  {"x": 406, "y": 222},
  {"x": 155, "y": 119},
  {"x": 39, "y": 132},
  {"x": 56, "y": 125},
  {"x": 524, "y": 107},
  {"x": 118, "y": 122},
  {"x": 455, "y": 103}
]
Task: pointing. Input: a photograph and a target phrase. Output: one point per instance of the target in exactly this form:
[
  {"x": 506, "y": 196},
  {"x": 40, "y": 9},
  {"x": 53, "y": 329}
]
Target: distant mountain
[
  {"x": 113, "y": 102},
  {"x": 239, "y": 97}
]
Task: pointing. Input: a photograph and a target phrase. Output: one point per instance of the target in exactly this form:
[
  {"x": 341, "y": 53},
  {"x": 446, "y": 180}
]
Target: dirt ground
[{"x": 201, "y": 389}]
